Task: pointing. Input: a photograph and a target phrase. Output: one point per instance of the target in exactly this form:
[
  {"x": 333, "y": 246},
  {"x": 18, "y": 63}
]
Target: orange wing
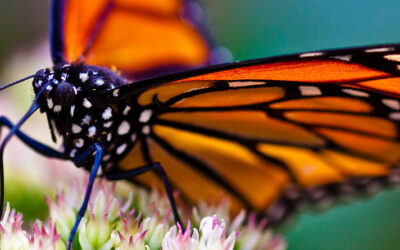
[
  {"x": 291, "y": 128},
  {"x": 135, "y": 36}
]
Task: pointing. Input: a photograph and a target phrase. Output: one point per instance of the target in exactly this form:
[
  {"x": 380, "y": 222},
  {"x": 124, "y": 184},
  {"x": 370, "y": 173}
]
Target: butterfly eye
[{"x": 64, "y": 94}]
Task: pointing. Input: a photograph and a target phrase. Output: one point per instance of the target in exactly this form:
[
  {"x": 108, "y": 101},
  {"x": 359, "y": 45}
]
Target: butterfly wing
[
  {"x": 139, "y": 38},
  {"x": 291, "y": 128}
]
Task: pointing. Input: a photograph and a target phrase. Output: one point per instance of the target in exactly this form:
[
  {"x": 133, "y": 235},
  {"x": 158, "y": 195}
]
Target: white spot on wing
[
  {"x": 393, "y": 57},
  {"x": 121, "y": 148},
  {"x": 86, "y": 103},
  {"x": 109, "y": 137},
  {"x": 107, "y": 113},
  {"x": 115, "y": 92},
  {"x": 346, "y": 58},
  {"x": 145, "y": 115},
  {"x": 146, "y": 130},
  {"x": 391, "y": 103},
  {"x": 309, "y": 90},
  {"x": 124, "y": 128},
  {"x": 377, "y": 50},
  {"x": 395, "y": 116},
  {"x": 354, "y": 92},
  {"x": 76, "y": 128},
  {"x": 237, "y": 84},
  {"x": 133, "y": 137},
  {"x": 311, "y": 54}
]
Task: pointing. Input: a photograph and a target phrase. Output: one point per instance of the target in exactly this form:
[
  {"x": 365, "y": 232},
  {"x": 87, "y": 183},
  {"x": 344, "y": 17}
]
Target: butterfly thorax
[{"x": 76, "y": 104}]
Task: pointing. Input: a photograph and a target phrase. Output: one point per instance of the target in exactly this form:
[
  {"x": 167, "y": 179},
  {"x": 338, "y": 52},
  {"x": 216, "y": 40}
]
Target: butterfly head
[{"x": 74, "y": 100}]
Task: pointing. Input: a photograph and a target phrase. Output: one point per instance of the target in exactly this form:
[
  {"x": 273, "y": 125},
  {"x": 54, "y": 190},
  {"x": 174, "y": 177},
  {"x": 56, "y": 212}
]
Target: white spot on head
[
  {"x": 126, "y": 110},
  {"x": 107, "y": 113},
  {"x": 84, "y": 77},
  {"x": 309, "y": 90},
  {"x": 145, "y": 115},
  {"x": 86, "y": 119},
  {"x": 86, "y": 103},
  {"x": 64, "y": 76},
  {"x": 391, "y": 103},
  {"x": 393, "y": 57},
  {"x": 72, "y": 110},
  {"x": 238, "y": 84},
  {"x": 106, "y": 157},
  {"x": 99, "y": 82},
  {"x": 395, "y": 116},
  {"x": 72, "y": 153},
  {"x": 377, "y": 50},
  {"x": 109, "y": 137},
  {"x": 55, "y": 81},
  {"x": 91, "y": 131},
  {"x": 76, "y": 128},
  {"x": 121, "y": 148},
  {"x": 107, "y": 124},
  {"x": 124, "y": 128},
  {"x": 146, "y": 130},
  {"x": 355, "y": 92},
  {"x": 115, "y": 92},
  {"x": 50, "y": 103},
  {"x": 57, "y": 108},
  {"x": 79, "y": 143},
  {"x": 311, "y": 54}
]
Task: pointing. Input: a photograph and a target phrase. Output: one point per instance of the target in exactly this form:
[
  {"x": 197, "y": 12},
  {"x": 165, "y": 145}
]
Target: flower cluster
[{"x": 133, "y": 222}]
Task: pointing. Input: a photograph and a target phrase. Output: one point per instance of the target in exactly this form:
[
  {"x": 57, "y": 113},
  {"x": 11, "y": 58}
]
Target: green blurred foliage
[
  {"x": 26, "y": 197},
  {"x": 260, "y": 28},
  {"x": 21, "y": 22}
]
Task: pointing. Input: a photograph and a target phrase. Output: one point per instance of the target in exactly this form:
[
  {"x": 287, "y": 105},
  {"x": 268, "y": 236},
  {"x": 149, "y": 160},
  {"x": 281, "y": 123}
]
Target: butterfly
[{"x": 268, "y": 133}]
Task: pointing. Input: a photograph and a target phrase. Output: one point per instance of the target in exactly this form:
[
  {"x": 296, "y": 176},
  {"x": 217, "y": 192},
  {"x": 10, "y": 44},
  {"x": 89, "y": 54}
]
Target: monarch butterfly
[{"x": 299, "y": 127}]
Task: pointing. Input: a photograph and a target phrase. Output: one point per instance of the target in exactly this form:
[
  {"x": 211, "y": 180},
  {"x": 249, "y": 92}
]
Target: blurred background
[{"x": 250, "y": 29}]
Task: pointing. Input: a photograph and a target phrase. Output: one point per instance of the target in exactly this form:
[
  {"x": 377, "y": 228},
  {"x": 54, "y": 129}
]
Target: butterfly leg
[
  {"x": 140, "y": 170},
  {"x": 93, "y": 173},
  {"x": 30, "y": 142}
]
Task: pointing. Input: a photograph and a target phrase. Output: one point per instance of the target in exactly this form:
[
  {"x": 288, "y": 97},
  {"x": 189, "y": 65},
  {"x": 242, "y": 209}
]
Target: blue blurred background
[{"x": 255, "y": 29}]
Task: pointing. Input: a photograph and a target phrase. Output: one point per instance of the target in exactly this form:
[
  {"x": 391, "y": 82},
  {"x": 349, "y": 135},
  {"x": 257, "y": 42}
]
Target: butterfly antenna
[
  {"x": 13, "y": 130},
  {"x": 16, "y": 82}
]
